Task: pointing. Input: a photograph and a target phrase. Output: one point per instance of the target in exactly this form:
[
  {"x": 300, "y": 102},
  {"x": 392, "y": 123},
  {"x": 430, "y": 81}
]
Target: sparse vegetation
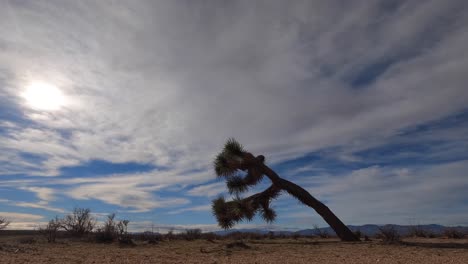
[
  {"x": 51, "y": 229},
  {"x": 418, "y": 231},
  {"x": 453, "y": 233},
  {"x": 3, "y": 223},
  {"x": 170, "y": 235},
  {"x": 108, "y": 232},
  {"x": 27, "y": 240},
  {"x": 389, "y": 234},
  {"x": 124, "y": 237},
  {"x": 305, "y": 250},
  {"x": 150, "y": 237},
  {"x": 79, "y": 222},
  {"x": 192, "y": 234},
  {"x": 210, "y": 237},
  {"x": 113, "y": 230},
  {"x": 232, "y": 160},
  {"x": 358, "y": 233},
  {"x": 320, "y": 232}
]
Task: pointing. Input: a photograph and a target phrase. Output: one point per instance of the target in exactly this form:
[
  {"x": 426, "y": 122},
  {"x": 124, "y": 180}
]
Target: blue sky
[{"x": 121, "y": 107}]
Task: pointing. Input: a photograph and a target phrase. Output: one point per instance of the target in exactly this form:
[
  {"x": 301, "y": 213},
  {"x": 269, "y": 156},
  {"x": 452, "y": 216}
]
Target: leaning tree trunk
[{"x": 343, "y": 232}]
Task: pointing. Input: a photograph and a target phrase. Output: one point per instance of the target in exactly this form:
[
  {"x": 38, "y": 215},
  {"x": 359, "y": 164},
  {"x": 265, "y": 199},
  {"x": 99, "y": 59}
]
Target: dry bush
[
  {"x": 389, "y": 234},
  {"x": 27, "y": 240},
  {"x": 3, "y": 223},
  {"x": 192, "y": 234},
  {"x": 124, "y": 237},
  {"x": 170, "y": 235},
  {"x": 245, "y": 235},
  {"x": 51, "y": 229},
  {"x": 108, "y": 232},
  {"x": 210, "y": 237},
  {"x": 320, "y": 232},
  {"x": 453, "y": 233},
  {"x": 358, "y": 233},
  {"x": 150, "y": 237},
  {"x": 79, "y": 222},
  {"x": 271, "y": 235},
  {"x": 418, "y": 231},
  {"x": 238, "y": 244}
]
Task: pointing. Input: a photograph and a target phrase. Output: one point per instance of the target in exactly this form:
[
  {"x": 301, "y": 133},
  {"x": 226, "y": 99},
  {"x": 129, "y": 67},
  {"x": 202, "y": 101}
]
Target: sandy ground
[{"x": 260, "y": 251}]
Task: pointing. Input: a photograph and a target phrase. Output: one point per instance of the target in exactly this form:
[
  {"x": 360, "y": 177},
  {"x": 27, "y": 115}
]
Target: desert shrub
[
  {"x": 170, "y": 235},
  {"x": 27, "y": 240},
  {"x": 124, "y": 237},
  {"x": 192, "y": 234},
  {"x": 271, "y": 235},
  {"x": 417, "y": 231},
  {"x": 296, "y": 236},
  {"x": 3, "y": 223},
  {"x": 320, "y": 232},
  {"x": 453, "y": 233},
  {"x": 358, "y": 233},
  {"x": 51, "y": 229},
  {"x": 389, "y": 234},
  {"x": 238, "y": 244},
  {"x": 79, "y": 222},
  {"x": 210, "y": 236},
  {"x": 108, "y": 232},
  {"x": 245, "y": 235},
  {"x": 150, "y": 237}
]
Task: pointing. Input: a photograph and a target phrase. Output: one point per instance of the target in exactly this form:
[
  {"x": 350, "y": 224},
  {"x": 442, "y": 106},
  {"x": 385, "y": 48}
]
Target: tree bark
[{"x": 343, "y": 232}]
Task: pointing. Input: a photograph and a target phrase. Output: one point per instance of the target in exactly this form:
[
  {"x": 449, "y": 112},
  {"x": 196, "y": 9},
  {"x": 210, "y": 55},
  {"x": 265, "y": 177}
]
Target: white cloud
[
  {"x": 199, "y": 208},
  {"x": 208, "y": 190},
  {"x": 43, "y": 193},
  {"x": 12, "y": 216},
  {"x": 165, "y": 83},
  {"x": 125, "y": 196},
  {"x": 39, "y": 205},
  {"x": 261, "y": 76},
  {"x": 394, "y": 195}
]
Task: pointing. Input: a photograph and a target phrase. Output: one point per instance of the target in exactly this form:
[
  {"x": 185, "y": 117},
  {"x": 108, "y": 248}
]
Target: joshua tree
[
  {"x": 3, "y": 223},
  {"x": 234, "y": 159}
]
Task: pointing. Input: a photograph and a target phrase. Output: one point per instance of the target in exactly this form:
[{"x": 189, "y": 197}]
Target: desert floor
[{"x": 259, "y": 251}]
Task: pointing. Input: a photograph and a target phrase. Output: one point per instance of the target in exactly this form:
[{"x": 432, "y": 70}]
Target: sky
[{"x": 121, "y": 106}]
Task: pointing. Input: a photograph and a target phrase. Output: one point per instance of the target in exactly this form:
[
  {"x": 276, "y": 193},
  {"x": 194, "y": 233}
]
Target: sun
[{"x": 43, "y": 96}]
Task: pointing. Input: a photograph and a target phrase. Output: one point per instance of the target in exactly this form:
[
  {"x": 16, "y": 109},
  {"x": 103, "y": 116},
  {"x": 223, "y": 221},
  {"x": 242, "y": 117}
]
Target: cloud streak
[{"x": 164, "y": 84}]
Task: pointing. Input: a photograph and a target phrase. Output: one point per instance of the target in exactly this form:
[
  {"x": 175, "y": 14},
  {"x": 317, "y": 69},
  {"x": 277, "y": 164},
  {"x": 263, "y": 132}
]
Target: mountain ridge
[{"x": 367, "y": 229}]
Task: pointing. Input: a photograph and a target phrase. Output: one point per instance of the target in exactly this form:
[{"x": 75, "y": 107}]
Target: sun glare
[{"x": 43, "y": 96}]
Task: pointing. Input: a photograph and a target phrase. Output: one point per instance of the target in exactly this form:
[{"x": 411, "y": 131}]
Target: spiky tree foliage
[{"x": 242, "y": 170}]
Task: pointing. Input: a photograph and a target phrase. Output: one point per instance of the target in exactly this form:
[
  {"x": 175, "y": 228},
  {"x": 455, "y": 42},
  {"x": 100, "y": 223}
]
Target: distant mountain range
[{"x": 369, "y": 230}]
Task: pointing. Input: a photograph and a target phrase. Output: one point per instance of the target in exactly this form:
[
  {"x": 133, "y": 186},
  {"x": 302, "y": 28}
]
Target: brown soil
[{"x": 248, "y": 251}]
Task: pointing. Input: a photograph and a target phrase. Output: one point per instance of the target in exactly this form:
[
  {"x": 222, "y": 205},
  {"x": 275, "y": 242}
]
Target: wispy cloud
[
  {"x": 12, "y": 216},
  {"x": 40, "y": 205},
  {"x": 43, "y": 193},
  {"x": 208, "y": 190},
  {"x": 192, "y": 209},
  {"x": 395, "y": 195},
  {"x": 164, "y": 83},
  {"x": 125, "y": 196}
]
